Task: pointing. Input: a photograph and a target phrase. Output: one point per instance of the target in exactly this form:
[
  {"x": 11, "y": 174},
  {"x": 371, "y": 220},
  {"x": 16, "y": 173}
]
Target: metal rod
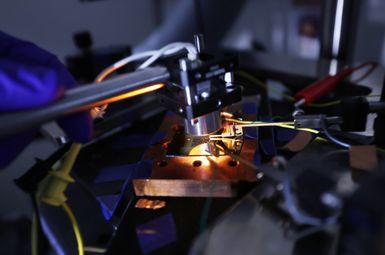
[
  {"x": 199, "y": 42},
  {"x": 80, "y": 99},
  {"x": 338, "y": 31}
]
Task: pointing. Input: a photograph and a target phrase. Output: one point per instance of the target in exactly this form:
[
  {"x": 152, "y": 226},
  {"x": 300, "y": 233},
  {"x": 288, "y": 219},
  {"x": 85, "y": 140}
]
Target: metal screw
[
  {"x": 229, "y": 77},
  {"x": 205, "y": 94}
]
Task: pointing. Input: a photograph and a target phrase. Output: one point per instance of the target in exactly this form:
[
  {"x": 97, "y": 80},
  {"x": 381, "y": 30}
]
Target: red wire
[
  {"x": 316, "y": 90},
  {"x": 373, "y": 65}
]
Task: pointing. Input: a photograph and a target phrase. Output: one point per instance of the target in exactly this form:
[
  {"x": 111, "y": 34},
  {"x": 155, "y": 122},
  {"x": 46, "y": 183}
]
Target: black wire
[{"x": 30, "y": 180}]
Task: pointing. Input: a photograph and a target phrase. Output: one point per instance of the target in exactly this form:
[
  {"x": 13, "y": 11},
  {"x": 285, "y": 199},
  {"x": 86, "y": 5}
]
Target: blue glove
[{"x": 32, "y": 77}]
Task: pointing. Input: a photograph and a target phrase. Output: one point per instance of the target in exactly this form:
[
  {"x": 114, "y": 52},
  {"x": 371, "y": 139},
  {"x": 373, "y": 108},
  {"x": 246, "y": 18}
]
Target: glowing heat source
[
  {"x": 206, "y": 161},
  {"x": 201, "y": 149},
  {"x": 229, "y": 138}
]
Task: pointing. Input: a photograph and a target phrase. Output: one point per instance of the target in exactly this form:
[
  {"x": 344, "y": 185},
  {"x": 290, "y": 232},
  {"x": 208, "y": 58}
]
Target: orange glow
[
  {"x": 130, "y": 94},
  {"x": 105, "y": 74},
  {"x": 206, "y": 161},
  {"x": 202, "y": 150},
  {"x": 135, "y": 93},
  {"x": 100, "y": 107},
  {"x": 230, "y": 137},
  {"x": 227, "y": 114}
]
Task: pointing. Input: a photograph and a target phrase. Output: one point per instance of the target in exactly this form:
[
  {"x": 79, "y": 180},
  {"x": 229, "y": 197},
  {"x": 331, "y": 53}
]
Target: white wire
[
  {"x": 334, "y": 139},
  {"x": 152, "y": 56},
  {"x": 168, "y": 50},
  {"x": 134, "y": 57},
  {"x": 125, "y": 61}
]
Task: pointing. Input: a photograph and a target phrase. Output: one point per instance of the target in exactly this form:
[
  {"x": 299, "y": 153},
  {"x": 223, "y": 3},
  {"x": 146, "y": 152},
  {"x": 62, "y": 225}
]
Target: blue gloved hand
[{"x": 32, "y": 77}]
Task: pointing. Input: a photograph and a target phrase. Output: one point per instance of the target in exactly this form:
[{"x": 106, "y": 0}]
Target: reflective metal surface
[
  {"x": 84, "y": 98},
  {"x": 182, "y": 188},
  {"x": 144, "y": 203},
  {"x": 204, "y": 125}
]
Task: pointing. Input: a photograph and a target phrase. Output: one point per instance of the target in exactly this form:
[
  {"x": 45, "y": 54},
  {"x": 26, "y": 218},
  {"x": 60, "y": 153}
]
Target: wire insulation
[
  {"x": 75, "y": 227},
  {"x": 287, "y": 124},
  {"x": 152, "y": 56},
  {"x": 333, "y": 139},
  {"x": 290, "y": 98}
]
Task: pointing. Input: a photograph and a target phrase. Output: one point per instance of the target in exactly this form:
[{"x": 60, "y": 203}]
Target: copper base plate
[{"x": 199, "y": 167}]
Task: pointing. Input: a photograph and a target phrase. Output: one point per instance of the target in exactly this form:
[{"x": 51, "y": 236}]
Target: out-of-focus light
[
  {"x": 333, "y": 67},
  {"x": 201, "y": 149},
  {"x": 206, "y": 162},
  {"x": 227, "y": 114},
  {"x": 337, "y": 27}
]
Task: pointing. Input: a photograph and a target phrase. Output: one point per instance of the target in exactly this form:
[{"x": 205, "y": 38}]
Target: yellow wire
[
  {"x": 259, "y": 123},
  {"x": 314, "y": 131},
  {"x": 272, "y": 124},
  {"x": 75, "y": 227},
  {"x": 263, "y": 85},
  {"x": 244, "y": 123},
  {"x": 34, "y": 248},
  {"x": 53, "y": 190},
  {"x": 321, "y": 139},
  {"x": 327, "y": 104}
]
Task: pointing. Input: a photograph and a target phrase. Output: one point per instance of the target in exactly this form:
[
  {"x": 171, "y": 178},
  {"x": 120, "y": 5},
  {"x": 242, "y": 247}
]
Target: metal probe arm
[{"x": 81, "y": 99}]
